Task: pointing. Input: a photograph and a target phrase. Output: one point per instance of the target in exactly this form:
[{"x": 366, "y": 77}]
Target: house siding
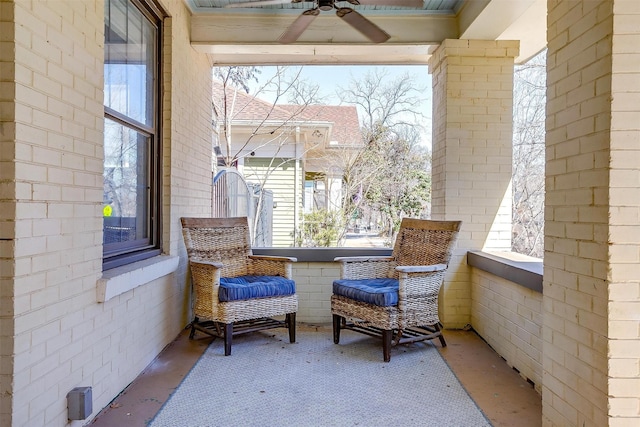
[{"x": 284, "y": 178}]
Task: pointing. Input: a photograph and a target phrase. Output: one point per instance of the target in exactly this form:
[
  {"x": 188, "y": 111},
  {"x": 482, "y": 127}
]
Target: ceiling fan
[{"x": 349, "y": 15}]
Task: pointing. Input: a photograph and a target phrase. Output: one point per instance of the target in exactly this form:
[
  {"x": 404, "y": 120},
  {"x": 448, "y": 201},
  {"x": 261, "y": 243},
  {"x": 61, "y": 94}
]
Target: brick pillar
[
  {"x": 472, "y": 155},
  {"x": 9, "y": 192},
  {"x": 591, "y": 339}
]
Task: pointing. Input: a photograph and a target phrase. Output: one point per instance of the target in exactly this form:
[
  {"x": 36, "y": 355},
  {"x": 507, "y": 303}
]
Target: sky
[{"x": 331, "y": 77}]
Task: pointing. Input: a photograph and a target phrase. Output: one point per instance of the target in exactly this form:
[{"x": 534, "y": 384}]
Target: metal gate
[{"x": 232, "y": 196}]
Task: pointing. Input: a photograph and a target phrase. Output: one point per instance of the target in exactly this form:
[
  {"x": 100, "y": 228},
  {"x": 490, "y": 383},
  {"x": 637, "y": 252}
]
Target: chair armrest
[
  {"x": 215, "y": 264},
  {"x": 274, "y": 258},
  {"x": 205, "y": 277},
  {"x": 421, "y": 268},
  {"x": 420, "y": 282}
]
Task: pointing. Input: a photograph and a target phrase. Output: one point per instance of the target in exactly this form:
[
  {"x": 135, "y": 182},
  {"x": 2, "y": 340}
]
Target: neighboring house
[
  {"x": 298, "y": 152},
  {"x": 325, "y": 164}
]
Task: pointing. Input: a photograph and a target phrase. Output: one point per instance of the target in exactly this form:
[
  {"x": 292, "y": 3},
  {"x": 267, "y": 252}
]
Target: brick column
[
  {"x": 591, "y": 349},
  {"x": 472, "y": 155},
  {"x": 624, "y": 219}
]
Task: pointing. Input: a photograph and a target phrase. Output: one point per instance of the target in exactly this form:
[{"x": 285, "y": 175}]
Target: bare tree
[
  {"x": 529, "y": 156},
  {"x": 390, "y": 177},
  {"x": 392, "y": 103}
]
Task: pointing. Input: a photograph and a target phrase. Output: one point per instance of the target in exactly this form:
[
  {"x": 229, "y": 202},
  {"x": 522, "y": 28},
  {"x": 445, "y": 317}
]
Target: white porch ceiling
[{"x": 249, "y": 35}]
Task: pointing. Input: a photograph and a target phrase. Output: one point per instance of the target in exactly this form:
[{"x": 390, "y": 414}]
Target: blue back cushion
[
  {"x": 380, "y": 292},
  {"x": 248, "y": 287}
]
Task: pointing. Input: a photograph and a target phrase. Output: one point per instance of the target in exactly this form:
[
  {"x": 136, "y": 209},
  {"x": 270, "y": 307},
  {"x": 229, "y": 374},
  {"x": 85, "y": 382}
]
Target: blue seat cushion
[
  {"x": 380, "y": 292},
  {"x": 249, "y": 287}
]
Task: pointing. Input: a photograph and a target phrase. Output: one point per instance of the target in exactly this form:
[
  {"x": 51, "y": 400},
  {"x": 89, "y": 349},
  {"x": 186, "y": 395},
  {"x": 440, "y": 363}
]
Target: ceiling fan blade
[
  {"x": 362, "y": 24},
  {"x": 299, "y": 25},
  {"x": 418, "y": 4},
  {"x": 258, "y": 3}
]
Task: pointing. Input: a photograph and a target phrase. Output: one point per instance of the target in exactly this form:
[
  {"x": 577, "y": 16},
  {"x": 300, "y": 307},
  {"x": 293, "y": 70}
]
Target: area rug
[{"x": 268, "y": 382}]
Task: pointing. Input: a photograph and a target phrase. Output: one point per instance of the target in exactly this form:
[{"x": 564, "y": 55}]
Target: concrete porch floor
[{"x": 505, "y": 397}]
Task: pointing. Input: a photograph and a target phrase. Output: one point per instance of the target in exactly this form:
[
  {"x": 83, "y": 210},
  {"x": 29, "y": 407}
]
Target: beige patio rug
[{"x": 269, "y": 382}]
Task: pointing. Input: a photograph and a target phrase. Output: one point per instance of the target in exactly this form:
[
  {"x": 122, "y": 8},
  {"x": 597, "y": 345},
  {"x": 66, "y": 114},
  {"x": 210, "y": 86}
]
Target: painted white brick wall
[
  {"x": 509, "y": 317},
  {"x": 624, "y": 216},
  {"x": 8, "y": 190},
  {"x": 50, "y": 321},
  {"x": 472, "y": 154},
  {"x": 591, "y": 286},
  {"x": 314, "y": 286}
]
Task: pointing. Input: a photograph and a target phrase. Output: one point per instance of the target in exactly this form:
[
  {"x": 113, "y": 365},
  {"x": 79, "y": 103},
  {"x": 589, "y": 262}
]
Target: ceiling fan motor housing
[
  {"x": 325, "y": 4},
  {"x": 369, "y": 29}
]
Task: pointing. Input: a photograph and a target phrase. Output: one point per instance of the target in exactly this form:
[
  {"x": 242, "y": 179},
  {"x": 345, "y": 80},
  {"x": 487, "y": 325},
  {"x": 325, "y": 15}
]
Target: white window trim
[{"x": 122, "y": 279}]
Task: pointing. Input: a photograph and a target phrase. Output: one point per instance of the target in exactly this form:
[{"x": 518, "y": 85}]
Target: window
[{"x": 131, "y": 205}]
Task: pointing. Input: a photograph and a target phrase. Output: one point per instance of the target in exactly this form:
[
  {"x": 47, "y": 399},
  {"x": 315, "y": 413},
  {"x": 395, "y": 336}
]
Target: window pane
[
  {"x": 126, "y": 185},
  {"x": 129, "y": 61}
]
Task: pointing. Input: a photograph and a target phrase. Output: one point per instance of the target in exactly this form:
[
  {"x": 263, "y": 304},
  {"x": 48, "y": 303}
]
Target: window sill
[
  {"x": 119, "y": 280},
  {"x": 521, "y": 269}
]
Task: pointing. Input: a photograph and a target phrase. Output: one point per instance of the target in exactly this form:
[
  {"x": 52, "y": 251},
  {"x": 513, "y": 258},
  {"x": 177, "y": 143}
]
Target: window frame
[{"x": 121, "y": 253}]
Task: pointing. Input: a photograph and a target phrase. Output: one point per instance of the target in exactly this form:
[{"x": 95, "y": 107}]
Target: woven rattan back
[
  {"x": 425, "y": 242},
  {"x": 225, "y": 240}
]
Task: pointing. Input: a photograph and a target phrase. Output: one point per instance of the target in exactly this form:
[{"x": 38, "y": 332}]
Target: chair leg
[
  {"x": 443, "y": 343},
  {"x": 291, "y": 324},
  {"x": 337, "y": 320},
  {"x": 192, "y": 333},
  {"x": 228, "y": 337},
  {"x": 387, "y": 334}
]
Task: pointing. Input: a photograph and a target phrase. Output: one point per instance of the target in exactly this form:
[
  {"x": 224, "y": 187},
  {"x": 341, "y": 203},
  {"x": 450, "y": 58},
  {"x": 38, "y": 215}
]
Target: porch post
[
  {"x": 591, "y": 339},
  {"x": 472, "y": 155}
]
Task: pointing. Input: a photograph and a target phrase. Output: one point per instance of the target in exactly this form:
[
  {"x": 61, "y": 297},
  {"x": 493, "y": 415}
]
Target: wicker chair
[
  {"x": 396, "y": 298},
  {"x": 235, "y": 291}
]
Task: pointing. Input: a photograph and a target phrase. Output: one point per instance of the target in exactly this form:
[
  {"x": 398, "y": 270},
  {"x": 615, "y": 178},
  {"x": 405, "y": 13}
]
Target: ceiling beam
[
  {"x": 523, "y": 20},
  {"x": 250, "y": 39},
  {"x": 316, "y": 54}
]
